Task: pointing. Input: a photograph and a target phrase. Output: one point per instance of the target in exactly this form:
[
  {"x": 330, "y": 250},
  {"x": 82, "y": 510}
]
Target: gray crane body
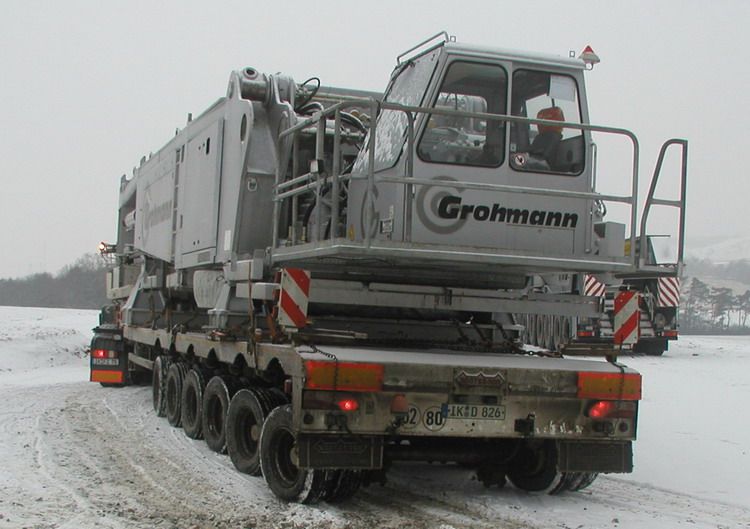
[{"x": 321, "y": 281}]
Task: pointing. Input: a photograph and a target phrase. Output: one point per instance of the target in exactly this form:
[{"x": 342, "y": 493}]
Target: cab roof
[{"x": 546, "y": 59}]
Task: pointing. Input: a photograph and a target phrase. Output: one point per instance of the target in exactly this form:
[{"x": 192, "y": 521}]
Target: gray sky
[{"x": 89, "y": 87}]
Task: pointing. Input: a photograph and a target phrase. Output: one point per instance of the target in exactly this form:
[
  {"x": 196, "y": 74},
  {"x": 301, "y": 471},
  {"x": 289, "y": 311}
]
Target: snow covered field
[{"x": 76, "y": 455}]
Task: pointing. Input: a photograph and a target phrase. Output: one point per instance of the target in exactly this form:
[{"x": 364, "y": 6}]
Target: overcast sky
[{"x": 87, "y": 88}]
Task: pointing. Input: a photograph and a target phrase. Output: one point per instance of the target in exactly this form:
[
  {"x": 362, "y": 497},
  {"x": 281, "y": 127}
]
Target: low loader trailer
[{"x": 322, "y": 282}]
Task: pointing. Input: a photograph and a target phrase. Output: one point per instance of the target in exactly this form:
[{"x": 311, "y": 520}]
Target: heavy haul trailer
[
  {"x": 655, "y": 284},
  {"x": 657, "y": 294},
  {"x": 321, "y": 281},
  {"x": 658, "y": 304}
]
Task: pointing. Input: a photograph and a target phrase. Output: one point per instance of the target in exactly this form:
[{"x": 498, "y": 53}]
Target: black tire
[
  {"x": 214, "y": 414},
  {"x": 492, "y": 474},
  {"x": 343, "y": 484},
  {"x": 192, "y": 403},
  {"x": 159, "y": 385},
  {"x": 651, "y": 347},
  {"x": 534, "y": 469},
  {"x": 586, "y": 480},
  {"x": 247, "y": 412},
  {"x": 175, "y": 378},
  {"x": 111, "y": 384},
  {"x": 285, "y": 479}
]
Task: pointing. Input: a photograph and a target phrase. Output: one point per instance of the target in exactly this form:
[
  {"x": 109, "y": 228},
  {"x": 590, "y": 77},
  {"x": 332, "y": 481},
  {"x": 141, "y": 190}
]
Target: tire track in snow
[{"x": 110, "y": 459}]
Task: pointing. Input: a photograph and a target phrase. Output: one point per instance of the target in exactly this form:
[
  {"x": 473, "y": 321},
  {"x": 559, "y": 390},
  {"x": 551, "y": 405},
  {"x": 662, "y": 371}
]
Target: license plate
[
  {"x": 105, "y": 361},
  {"x": 468, "y": 411}
]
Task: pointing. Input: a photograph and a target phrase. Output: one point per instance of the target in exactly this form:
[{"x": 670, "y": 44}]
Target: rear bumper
[{"x": 333, "y": 451}]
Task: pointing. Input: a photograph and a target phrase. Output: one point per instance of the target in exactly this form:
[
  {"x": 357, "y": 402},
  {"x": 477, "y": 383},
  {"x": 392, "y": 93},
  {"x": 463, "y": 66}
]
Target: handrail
[
  {"x": 679, "y": 203},
  {"x": 443, "y": 34},
  {"x": 318, "y": 120}
]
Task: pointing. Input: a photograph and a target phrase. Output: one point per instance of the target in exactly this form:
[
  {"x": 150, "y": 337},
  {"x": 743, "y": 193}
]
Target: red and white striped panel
[
  {"x": 669, "y": 292},
  {"x": 627, "y": 317},
  {"x": 295, "y": 294},
  {"x": 592, "y": 286}
]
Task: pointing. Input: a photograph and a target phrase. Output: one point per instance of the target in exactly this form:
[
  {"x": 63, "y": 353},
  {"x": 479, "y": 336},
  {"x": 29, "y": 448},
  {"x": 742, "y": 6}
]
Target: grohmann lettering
[{"x": 451, "y": 207}]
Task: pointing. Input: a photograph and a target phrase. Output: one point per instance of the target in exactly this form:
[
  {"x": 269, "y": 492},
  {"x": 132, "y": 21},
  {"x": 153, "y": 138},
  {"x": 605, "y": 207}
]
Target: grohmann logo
[{"x": 450, "y": 207}]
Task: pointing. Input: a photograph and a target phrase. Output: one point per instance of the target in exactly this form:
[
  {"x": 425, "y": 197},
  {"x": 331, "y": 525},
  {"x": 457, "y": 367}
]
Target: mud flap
[
  {"x": 591, "y": 456},
  {"x": 340, "y": 452}
]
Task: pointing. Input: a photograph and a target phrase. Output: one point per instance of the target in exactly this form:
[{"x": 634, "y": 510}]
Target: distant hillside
[
  {"x": 724, "y": 251},
  {"x": 77, "y": 286}
]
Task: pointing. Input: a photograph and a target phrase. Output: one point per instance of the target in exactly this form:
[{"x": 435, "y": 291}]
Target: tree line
[
  {"x": 703, "y": 308},
  {"x": 80, "y": 285},
  {"x": 706, "y": 308}
]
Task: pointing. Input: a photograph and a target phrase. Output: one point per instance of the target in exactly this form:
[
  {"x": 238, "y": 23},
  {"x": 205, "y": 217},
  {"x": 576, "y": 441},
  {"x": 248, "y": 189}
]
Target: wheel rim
[
  {"x": 172, "y": 394},
  {"x": 284, "y": 444},
  {"x": 192, "y": 404},
  {"x": 215, "y": 415},
  {"x": 249, "y": 433}
]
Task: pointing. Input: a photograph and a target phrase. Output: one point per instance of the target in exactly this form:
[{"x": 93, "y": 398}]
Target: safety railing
[
  {"x": 678, "y": 203},
  {"x": 314, "y": 180}
]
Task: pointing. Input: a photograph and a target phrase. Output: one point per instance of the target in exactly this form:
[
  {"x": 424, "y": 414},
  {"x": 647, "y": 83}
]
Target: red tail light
[
  {"x": 608, "y": 409},
  {"x": 348, "y": 405},
  {"x": 99, "y": 353},
  {"x": 670, "y": 334},
  {"x": 585, "y": 334}
]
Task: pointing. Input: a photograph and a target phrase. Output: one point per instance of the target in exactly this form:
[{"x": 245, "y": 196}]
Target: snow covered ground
[{"x": 76, "y": 455}]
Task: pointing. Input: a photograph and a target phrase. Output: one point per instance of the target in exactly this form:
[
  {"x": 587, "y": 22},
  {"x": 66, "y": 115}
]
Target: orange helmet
[{"x": 553, "y": 114}]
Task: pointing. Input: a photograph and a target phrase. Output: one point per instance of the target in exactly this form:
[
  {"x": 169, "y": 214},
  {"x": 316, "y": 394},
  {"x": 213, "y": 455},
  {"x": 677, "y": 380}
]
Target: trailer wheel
[
  {"x": 192, "y": 403},
  {"x": 558, "y": 332},
  {"x": 175, "y": 378},
  {"x": 541, "y": 328},
  {"x": 549, "y": 332},
  {"x": 159, "y": 385},
  {"x": 214, "y": 414},
  {"x": 651, "y": 347},
  {"x": 343, "y": 484},
  {"x": 587, "y": 478},
  {"x": 244, "y": 423},
  {"x": 534, "y": 469},
  {"x": 490, "y": 474},
  {"x": 531, "y": 329},
  {"x": 278, "y": 460}
]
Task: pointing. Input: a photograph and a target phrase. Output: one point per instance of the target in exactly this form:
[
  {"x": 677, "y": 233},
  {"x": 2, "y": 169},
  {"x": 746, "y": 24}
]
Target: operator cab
[
  {"x": 472, "y": 159},
  {"x": 478, "y": 172}
]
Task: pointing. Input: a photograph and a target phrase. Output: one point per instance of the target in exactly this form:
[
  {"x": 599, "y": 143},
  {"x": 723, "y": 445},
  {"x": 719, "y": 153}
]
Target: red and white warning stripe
[
  {"x": 592, "y": 286},
  {"x": 627, "y": 316},
  {"x": 669, "y": 292},
  {"x": 294, "y": 296}
]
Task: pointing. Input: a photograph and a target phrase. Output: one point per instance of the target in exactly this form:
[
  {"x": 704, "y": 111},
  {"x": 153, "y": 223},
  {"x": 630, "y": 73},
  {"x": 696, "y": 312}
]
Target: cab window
[
  {"x": 546, "y": 148},
  {"x": 407, "y": 87},
  {"x": 467, "y": 87}
]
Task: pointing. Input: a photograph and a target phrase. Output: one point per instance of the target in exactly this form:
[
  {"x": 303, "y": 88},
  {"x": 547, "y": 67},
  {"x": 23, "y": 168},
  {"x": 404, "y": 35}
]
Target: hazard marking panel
[
  {"x": 294, "y": 297},
  {"x": 668, "y": 294},
  {"x": 592, "y": 286},
  {"x": 627, "y": 316}
]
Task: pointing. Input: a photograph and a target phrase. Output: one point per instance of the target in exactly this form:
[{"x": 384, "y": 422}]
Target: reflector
[
  {"x": 614, "y": 386},
  {"x": 343, "y": 376},
  {"x": 110, "y": 377}
]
